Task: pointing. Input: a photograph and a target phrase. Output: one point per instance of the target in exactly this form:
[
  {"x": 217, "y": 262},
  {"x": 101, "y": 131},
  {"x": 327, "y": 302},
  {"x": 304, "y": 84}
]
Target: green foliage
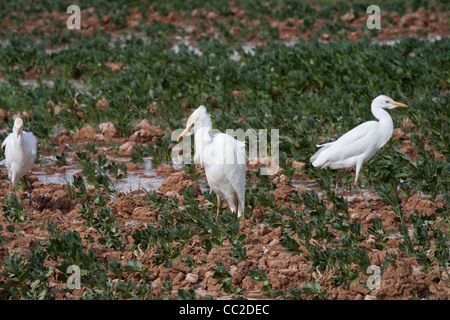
[
  {"x": 312, "y": 92},
  {"x": 13, "y": 209},
  {"x": 97, "y": 173},
  {"x": 377, "y": 231},
  {"x": 258, "y": 275},
  {"x": 313, "y": 289},
  {"x": 105, "y": 223},
  {"x": 28, "y": 278},
  {"x": 221, "y": 273}
]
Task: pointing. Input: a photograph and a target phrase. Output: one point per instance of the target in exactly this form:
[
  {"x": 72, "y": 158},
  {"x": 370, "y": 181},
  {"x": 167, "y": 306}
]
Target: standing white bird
[
  {"x": 357, "y": 146},
  {"x": 223, "y": 158},
  {"x": 20, "y": 153}
]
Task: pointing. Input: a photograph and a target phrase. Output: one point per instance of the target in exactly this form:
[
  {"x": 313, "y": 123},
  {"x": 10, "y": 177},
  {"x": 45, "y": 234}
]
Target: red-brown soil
[
  {"x": 404, "y": 280},
  {"x": 204, "y": 24}
]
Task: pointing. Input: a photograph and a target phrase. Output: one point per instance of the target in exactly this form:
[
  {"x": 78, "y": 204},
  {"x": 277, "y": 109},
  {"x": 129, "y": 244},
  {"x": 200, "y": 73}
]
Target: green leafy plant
[
  {"x": 377, "y": 231},
  {"x": 258, "y": 275},
  {"x": 313, "y": 289},
  {"x": 221, "y": 273},
  {"x": 105, "y": 222},
  {"x": 13, "y": 209}
]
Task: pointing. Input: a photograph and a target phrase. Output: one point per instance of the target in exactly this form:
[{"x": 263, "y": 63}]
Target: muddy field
[
  {"x": 261, "y": 261},
  {"x": 402, "y": 280}
]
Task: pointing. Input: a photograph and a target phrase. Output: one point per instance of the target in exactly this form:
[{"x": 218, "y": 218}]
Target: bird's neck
[
  {"x": 18, "y": 139},
  {"x": 203, "y": 134},
  {"x": 202, "y": 139},
  {"x": 386, "y": 124}
]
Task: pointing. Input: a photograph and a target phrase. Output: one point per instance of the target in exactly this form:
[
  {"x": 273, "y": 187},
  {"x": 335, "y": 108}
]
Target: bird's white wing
[
  {"x": 31, "y": 142},
  {"x": 356, "y": 142},
  {"x": 8, "y": 158},
  {"x": 236, "y": 172},
  {"x": 235, "y": 165},
  {"x": 5, "y": 142}
]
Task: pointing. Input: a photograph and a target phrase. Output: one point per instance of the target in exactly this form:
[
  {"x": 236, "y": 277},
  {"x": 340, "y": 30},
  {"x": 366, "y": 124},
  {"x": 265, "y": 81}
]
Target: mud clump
[
  {"x": 146, "y": 132},
  {"x": 164, "y": 170},
  {"x": 85, "y": 134},
  {"x": 109, "y": 130},
  {"x": 264, "y": 246},
  {"x": 176, "y": 182},
  {"x": 126, "y": 149},
  {"x": 402, "y": 282}
]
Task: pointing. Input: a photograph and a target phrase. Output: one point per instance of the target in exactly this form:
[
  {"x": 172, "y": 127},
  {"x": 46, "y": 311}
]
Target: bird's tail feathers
[
  {"x": 324, "y": 144},
  {"x": 319, "y": 158}
]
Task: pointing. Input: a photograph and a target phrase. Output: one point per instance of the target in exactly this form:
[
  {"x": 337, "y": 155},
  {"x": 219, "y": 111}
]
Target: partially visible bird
[
  {"x": 20, "y": 153},
  {"x": 223, "y": 158},
  {"x": 357, "y": 146}
]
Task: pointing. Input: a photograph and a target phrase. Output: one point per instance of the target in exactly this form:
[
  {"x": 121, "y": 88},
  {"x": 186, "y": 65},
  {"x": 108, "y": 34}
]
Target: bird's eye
[{"x": 387, "y": 101}]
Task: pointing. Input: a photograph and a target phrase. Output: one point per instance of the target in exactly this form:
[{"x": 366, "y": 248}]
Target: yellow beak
[
  {"x": 18, "y": 131},
  {"x": 398, "y": 104},
  {"x": 185, "y": 131}
]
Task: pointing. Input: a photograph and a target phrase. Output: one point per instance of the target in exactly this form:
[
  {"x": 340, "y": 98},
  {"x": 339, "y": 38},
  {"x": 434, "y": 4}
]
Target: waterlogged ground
[
  {"x": 200, "y": 263},
  {"x": 111, "y": 200}
]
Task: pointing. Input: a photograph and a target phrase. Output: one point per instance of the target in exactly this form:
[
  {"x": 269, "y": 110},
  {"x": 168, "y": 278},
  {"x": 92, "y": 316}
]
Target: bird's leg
[
  {"x": 29, "y": 192},
  {"x": 218, "y": 208},
  {"x": 355, "y": 183},
  {"x": 28, "y": 188},
  {"x": 338, "y": 176},
  {"x": 237, "y": 206}
]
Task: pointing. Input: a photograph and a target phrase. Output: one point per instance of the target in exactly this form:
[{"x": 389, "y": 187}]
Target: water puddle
[
  {"x": 141, "y": 179},
  {"x": 35, "y": 83},
  {"x": 147, "y": 178},
  {"x": 432, "y": 37},
  {"x": 309, "y": 184},
  {"x": 348, "y": 195}
]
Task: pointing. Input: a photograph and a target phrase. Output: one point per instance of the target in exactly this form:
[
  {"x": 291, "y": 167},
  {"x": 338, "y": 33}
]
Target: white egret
[
  {"x": 222, "y": 157},
  {"x": 20, "y": 153},
  {"x": 357, "y": 146}
]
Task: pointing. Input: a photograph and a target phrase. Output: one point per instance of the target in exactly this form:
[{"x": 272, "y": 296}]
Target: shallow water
[
  {"x": 34, "y": 83},
  {"x": 148, "y": 179},
  {"x": 142, "y": 179},
  {"x": 348, "y": 195}
]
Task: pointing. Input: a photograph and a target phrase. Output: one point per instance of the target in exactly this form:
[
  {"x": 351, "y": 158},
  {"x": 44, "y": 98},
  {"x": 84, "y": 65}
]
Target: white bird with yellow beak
[
  {"x": 20, "y": 153},
  {"x": 357, "y": 146},
  {"x": 223, "y": 158}
]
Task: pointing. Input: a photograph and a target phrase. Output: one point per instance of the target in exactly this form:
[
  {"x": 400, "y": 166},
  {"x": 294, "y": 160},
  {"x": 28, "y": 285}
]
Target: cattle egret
[
  {"x": 357, "y": 146},
  {"x": 222, "y": 157},
  {"x": 20, "y": 153}
]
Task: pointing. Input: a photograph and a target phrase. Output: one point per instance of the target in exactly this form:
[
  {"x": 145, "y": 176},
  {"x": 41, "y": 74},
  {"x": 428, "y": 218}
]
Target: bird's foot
[
  {"x": 371, "y": 207},
  {"x": 33, "y": 199}
]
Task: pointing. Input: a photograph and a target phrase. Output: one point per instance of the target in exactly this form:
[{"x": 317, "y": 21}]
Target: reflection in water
[
  {"x": 148, "y": 179},
  {"x": 145, "y": 178}
]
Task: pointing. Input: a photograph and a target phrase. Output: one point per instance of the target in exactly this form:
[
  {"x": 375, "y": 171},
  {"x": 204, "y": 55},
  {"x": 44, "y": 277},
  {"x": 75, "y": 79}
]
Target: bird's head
[
  {"x": 385, "y": 102},
  {"x": 198, "y": 116},
  {"x": 18, "y": 126}
]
